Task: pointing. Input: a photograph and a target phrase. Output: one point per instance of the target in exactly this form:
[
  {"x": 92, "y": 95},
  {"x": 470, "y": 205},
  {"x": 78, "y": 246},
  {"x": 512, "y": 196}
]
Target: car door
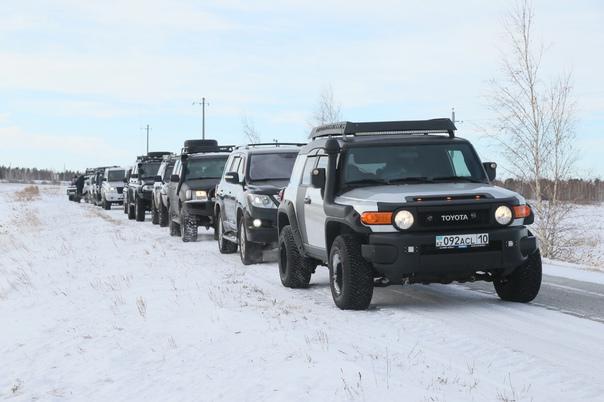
[
  {"x": 173, "y": 188},
  {"x": 314, "y": 214},
  {"x": 230, "y": 198}
]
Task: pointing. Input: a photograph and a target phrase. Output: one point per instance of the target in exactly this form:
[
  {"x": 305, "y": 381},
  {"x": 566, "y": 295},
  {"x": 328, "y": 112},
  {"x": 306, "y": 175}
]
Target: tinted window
[
  {"x": 149, "y": 169},
  {"x": 308, "y": 167},
  {"x": 204, "y": 168},
  {"x": 115, "y": 175},
  {"x": 400, "y": 162},
  {"x": 271, "y": 166}
]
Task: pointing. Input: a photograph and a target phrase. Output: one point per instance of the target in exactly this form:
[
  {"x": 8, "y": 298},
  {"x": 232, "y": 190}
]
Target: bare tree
[
  {"x": 535, "y": 127},
  {"x": 328, "y": 110},
  {"x": 249, "y": 131}
]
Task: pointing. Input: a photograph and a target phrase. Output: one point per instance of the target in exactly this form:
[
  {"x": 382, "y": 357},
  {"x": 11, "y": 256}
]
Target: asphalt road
[{"x": 568, "y": 296}]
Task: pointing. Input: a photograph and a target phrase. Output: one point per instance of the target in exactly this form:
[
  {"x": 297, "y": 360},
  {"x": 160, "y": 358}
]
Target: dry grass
[{"x": 29, "y": 193}]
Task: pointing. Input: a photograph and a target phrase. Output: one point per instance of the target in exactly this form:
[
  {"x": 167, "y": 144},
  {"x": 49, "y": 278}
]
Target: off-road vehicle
[
  {"x": 112, "y": 187},
  {"x": 192, "y": 185},
  {"x": 246, "y": 198},
  {"x": 159, "y": 202},
  {"x": 137, "y": 200},
  {"x": 399, "y": 202}
]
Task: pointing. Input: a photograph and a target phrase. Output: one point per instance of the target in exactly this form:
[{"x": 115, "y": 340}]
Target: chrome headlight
[
  {"x": 503, "y": 215},
  {"x": 111, "y": 189},
  {"x": 261, "y": 201},
  {"x": 196, "y": 195},
  {"x": 403, "y": 219}
]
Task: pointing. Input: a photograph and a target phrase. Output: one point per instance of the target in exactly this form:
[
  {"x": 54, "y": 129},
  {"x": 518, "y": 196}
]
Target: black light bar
[{"x": 432, "y": 126}]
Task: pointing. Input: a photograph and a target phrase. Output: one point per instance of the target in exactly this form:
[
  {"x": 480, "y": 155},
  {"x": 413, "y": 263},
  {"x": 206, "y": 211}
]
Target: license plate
[{"x": 462, "y": 241}]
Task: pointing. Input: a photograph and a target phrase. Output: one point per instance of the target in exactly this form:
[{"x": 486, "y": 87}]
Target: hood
[
  {"x": 269, "y": 188},
  {"x": 200, "y": 184},
  {"x": 398, "y": 193}
]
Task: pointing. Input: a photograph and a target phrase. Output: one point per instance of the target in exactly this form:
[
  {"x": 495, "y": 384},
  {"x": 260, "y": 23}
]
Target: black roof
[{"x": 432, "y": 126}]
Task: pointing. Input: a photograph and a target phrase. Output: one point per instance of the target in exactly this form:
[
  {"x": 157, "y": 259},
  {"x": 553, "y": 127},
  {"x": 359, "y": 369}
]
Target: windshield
[
  {"x": 116, "y": 175},
  {"x": 420, "y": 163},
  {"x": 276, "y": 166},
  {"x": 149, "y": 170},
  {"x": 204, "y": 168}
]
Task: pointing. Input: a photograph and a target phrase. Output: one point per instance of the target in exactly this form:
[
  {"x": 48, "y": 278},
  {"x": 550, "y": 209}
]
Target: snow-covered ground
[{"x": 96, "y": 307}]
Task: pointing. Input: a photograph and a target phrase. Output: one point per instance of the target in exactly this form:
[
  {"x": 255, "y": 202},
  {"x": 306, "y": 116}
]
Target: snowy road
[{"x": 96, "y": 307}]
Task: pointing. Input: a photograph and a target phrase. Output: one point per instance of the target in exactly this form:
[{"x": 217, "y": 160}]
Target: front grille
[
  {"x": 456, "y": 217},
  {"x": 120, "y": 190}
]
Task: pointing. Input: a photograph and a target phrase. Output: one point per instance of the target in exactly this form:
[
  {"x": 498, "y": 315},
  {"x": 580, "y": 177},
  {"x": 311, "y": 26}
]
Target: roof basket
[
  {"x": 433, "y": 126},
  {"x": 272, "y": 144}
]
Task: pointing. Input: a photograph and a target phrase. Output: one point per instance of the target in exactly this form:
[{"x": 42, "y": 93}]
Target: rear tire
[
  {"x": 126, "y": 203},
  {"x": 139, "y": 209},
  {"x": 350, "y": 275},
  {"x": 154, "y": 212},
  {"x": 250, "y": 253},
  {"x": 224, "y": 246},
  {"x": 295, "y": 270},
  {"x": 174, "y": 228},
  {"x": 106, "y": 205},
  {"x": 131, "y": 212},
  {"x": 163, "y": 216},
  {"x": 188, "y": 227},
  {"x": 523, "y": 284}
]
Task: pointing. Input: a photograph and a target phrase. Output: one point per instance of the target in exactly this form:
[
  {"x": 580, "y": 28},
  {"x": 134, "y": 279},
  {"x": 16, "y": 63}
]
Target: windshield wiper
[
  {"x": 410, "y": 180},
  {"x": 457, "y": 178}
]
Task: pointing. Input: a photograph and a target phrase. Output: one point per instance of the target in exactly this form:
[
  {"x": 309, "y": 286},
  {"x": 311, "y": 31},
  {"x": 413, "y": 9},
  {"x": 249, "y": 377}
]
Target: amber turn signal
[
  {"x": 376, "y": 218},
  {"x": 522, "y": 211}
]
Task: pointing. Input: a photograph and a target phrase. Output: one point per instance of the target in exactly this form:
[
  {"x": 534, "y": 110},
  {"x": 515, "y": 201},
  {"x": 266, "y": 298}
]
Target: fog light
[
  {"x": 510, "y": 243},
  {"x": 411, "y": 249},
  {"x": 257, "y": 223}
]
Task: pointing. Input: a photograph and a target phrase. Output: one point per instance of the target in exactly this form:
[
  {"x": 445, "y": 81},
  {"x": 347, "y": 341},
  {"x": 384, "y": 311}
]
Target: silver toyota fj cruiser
[{"x": 402, "y": 202}]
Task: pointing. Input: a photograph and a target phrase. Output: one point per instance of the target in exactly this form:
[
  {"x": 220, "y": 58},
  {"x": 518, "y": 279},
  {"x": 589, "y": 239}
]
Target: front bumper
[
  {"x": 267, "y": 233},
  {"x": 114, "y": 197},
  {"x": 407, "y": 255}
]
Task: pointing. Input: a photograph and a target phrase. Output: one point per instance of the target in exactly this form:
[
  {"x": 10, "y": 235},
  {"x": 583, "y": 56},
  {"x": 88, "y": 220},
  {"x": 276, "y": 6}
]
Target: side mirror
[
  {"x": 491, "y": 169},
  {"x": 232, "y": 177},
  {"x": 158, "y": 178},
  {"x": 317, "y": 178},
  {"x": 175, "y": 178}
]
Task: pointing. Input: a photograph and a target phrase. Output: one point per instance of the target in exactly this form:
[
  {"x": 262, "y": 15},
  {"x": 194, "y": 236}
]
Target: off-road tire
[
  {"x": 188, "y": 227},
  {"x": 350, "y": 275},
  {"x": 106, "y": 205},
  {"x": 140, "y": 210},
  {"x": 250, "y": 252},
  {"x": 126, "y": 203},
  {"x": 224, "y": 246},
  {"x": 164, "y": 218},
  {"x": 131, "y": 212},
  {"x": 295, "y": 270},
  {"x": 154, "y": 212},
  {"x": 71, "y": 197},
  {"x": 523, "y": 284}
]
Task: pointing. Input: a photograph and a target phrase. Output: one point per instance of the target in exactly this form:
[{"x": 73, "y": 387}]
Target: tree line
[
  {"x": 580, "y": 191},
  {"x": 20, "y": 174}
]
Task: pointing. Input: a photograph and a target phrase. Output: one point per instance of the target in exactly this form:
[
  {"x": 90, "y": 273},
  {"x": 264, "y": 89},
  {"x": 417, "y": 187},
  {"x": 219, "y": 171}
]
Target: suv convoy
[
  {"x": 137, "y": 199},
  {"x": 246, "y": 203},
  {"x": 192, "y": 185},
  {"x": 159, "y": 202},
  {"x": 390, "y": 203},
  {"x": 112, "y": 186}
]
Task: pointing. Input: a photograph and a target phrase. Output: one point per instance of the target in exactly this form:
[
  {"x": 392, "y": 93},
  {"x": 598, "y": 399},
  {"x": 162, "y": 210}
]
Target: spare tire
[{"x": 194, "y": 146}]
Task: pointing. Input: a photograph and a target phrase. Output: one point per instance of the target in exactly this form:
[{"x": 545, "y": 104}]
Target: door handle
[{"x": 307, "y": 200}]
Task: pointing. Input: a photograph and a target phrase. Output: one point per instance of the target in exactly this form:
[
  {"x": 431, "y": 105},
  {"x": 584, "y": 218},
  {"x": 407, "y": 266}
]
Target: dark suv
[
  {"x": 159, "y": 202},
  {"x": 139, "y": 190},
  {"x": 192, "y": 184},
  {"x": 246, "y": 198},
  {"x": 386, "y": 203}
]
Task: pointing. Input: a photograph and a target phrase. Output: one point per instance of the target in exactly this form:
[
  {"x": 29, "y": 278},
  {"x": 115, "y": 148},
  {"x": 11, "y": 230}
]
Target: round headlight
[
  {"x": 403, "y": 219},
  {"x": 503, "y": 215}
]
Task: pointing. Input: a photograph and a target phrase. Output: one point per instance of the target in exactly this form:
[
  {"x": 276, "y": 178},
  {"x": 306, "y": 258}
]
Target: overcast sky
[{"x": 79, "y": 79}]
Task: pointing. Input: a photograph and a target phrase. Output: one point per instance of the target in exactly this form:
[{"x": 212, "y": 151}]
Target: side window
[
  {"x": 459, "y": 163},
  {"x": 308, "y": 167},
  {"x": 235, "y": 165},
  {"x": 322, "y": 163},
  {"x": 241, "y": 168},
  {"x": 177, "y": 166}
]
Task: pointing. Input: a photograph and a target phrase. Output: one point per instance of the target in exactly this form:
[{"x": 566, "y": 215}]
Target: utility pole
[
  {"x": 453, "y": 116},
  {"x": 147, "y": 128},
  {"x": 203, "y": 104}
]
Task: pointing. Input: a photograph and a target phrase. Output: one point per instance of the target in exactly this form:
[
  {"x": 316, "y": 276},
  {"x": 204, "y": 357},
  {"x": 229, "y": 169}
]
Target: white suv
[{"x": 112, "y": 186}]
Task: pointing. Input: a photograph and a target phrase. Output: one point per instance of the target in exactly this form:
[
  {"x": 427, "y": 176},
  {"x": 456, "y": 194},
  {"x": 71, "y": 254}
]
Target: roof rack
[
  {"x": 433, "y": 126},
  {"x": 271, "y": 144},
  {"x": 207, "y": 150}
]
